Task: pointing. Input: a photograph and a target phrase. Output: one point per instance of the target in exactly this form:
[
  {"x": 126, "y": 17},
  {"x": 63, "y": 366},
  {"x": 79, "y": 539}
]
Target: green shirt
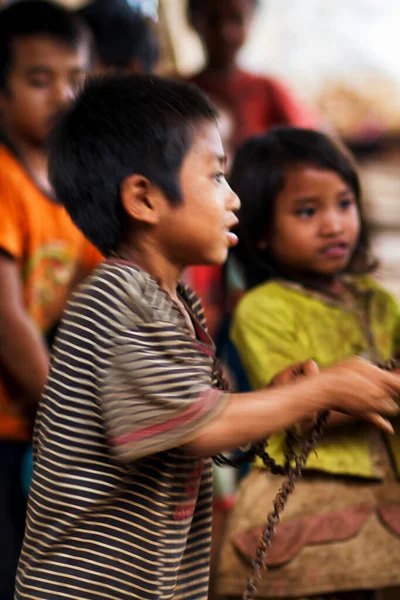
[{"x": 280, "y": 323}]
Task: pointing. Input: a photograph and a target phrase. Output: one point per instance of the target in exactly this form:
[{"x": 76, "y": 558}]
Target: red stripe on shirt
[{"x": 204, "y": 401}]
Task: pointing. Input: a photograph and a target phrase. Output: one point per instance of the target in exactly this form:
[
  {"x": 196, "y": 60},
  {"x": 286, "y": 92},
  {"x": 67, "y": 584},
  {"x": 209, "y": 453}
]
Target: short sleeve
[
  {"x": 90, "y": 257},
  {"x": 12, "y": 227},
  {"x": 157, "y": 391},
  {"x": 267, "y": 338}
]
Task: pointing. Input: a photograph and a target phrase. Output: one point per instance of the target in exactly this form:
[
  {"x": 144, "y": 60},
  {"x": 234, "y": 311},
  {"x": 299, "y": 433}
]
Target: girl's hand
[
  {"x": 358, "y": 388},
  {"x": 291, "y": 375},
  {"x": 294, "y": 372}
]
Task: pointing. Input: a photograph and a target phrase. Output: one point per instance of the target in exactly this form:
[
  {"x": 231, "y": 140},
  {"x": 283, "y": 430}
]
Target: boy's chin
[
  {"x": 211, "y": 261},
  {"x": 219, "y": 259}
]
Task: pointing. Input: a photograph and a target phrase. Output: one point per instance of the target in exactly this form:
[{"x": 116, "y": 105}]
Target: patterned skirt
[{"x": 336, "y": 536}]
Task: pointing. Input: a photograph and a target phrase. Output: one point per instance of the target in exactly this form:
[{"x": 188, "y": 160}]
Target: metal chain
[
  {"x": 293, "y": 474},
  {"x": 293, "y": 468}
]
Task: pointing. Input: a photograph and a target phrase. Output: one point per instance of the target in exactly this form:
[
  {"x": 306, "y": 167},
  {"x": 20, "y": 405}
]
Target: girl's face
[{"x": 317, "y": 222}]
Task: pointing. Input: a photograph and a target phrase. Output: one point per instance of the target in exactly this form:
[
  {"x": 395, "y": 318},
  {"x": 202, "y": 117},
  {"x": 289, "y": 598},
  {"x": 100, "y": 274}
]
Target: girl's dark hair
[{"x": 258, "y": 176}]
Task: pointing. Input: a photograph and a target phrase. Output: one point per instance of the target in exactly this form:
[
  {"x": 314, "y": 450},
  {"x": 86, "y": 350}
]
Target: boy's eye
[
  {"x": 219, "y": 177},
  {"x": 306, "y": 213},
  {"x": 41, "y": 81}
]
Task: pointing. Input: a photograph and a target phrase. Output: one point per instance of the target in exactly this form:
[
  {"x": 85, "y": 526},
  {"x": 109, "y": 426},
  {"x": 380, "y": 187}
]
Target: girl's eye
[
  {"x": 219, "y": 177},
  {"x": 346, "y": 203},
  {"x": 306, "y": 213}
]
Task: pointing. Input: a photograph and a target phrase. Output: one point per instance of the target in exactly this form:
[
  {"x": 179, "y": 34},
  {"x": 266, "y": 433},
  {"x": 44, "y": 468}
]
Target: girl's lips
[{"x": 335, "y": 250}]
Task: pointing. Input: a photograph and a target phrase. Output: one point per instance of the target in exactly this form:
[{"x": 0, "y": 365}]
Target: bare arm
[
  {"x": 23, "y": 354},
  {"x": 354, "y": 387}
]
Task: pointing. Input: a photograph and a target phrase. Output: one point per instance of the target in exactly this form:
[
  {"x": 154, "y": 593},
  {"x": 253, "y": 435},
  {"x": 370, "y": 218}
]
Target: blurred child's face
[
  {"x": 317, "y": 223},
  {"x": 223, "y": 27},
  {"x": 198, "y": 230},
  {"x": 43, "y": 77}
]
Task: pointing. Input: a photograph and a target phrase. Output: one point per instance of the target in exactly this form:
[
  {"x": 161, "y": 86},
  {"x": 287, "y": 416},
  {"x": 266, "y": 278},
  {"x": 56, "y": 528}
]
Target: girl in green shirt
[{"x": 304, "y": 253}]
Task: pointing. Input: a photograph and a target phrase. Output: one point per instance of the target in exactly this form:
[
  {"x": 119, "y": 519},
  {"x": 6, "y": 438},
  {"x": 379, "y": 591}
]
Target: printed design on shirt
[
  {"x": 185, "y": 510},
  {"x": 48, "y": 276}
]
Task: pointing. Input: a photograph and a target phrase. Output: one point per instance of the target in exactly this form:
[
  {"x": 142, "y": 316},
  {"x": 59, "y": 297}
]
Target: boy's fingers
[
  {"x": 380, "y": 422},
  {"x": 363, "y": 367},
  {"x": 393, "y": 381},
  {"x": 390, "y": 407}
]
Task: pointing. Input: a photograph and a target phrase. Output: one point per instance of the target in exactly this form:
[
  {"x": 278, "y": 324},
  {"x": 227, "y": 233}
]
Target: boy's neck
[
  {"x": 34, "y": 159},
  {"x": 146, "y": 257}
]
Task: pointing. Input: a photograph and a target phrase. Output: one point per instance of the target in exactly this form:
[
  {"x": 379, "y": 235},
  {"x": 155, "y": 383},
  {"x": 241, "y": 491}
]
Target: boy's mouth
[
  {"x": 55, "y": 118},
  {"x": 232, "y": 237}
]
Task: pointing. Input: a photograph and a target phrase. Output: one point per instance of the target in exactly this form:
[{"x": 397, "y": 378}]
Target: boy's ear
[{"x": 139, "y": 199}]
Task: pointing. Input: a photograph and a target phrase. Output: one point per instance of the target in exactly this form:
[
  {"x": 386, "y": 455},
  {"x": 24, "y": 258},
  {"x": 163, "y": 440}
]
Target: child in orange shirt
[{"x": 44, "y": 54}]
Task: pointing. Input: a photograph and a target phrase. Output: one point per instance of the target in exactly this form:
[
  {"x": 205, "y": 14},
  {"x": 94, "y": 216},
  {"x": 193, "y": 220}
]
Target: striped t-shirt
[{"x": 116, "y": 510}]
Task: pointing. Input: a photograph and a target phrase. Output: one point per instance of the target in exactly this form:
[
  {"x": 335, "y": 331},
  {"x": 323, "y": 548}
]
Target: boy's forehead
[
  {"x": 207, "y": 143},
  {"x": 44, "y": 50}
]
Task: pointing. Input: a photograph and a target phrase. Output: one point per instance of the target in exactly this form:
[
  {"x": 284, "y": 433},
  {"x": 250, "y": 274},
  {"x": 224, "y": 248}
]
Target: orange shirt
[{"x": 50, "y": 252}]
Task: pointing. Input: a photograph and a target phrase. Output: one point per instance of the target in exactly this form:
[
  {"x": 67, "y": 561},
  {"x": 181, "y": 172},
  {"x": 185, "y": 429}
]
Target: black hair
[
  {"x": 35, "y": 17},
  {"x": 258, "y": 176},
  {"x": 195, "y": 7},
  {"x": 118, "y": 126},
  {"x": 121, "y": 34}
]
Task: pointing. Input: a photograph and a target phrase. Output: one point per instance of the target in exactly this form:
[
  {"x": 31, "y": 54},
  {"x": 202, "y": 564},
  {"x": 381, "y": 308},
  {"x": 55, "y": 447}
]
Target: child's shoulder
[
  {"x": 269, "y": 296},
  {"x": 367, "y": 283},
  {"x": 16, "y": 185},
  {"x": 11, "y": 170},
  {"x": 129, "y": 291}
]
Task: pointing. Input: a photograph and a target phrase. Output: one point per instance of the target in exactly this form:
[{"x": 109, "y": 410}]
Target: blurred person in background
[
  {"x": 256, "y": 103},
  {"x": 44, "y": 55},
  {"x": 124, "y": 39}
]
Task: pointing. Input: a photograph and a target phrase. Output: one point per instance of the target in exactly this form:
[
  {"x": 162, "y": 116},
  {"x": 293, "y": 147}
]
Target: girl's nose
[{"x": 332, "y": 224}]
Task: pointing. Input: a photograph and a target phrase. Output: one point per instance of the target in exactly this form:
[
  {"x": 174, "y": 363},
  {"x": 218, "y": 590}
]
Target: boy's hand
[
  {"x": 294, "y": 372},
  {"x": 358, "y": 388}
]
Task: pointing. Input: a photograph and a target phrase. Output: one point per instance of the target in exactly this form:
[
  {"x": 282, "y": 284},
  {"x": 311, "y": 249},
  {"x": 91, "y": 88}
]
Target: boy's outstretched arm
[
  {"x": 354, "y": 387},
  {"x": 23, "y": 354}
]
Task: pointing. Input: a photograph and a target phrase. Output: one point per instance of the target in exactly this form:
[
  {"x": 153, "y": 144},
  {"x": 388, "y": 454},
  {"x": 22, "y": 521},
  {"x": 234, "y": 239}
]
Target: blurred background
[{"x": 341, "y": 59}]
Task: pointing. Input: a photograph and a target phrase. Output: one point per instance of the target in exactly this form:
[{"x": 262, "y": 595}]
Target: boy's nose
[
  {"x": 233, "y": 203},
  {"x": 63, "y": 94}
]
